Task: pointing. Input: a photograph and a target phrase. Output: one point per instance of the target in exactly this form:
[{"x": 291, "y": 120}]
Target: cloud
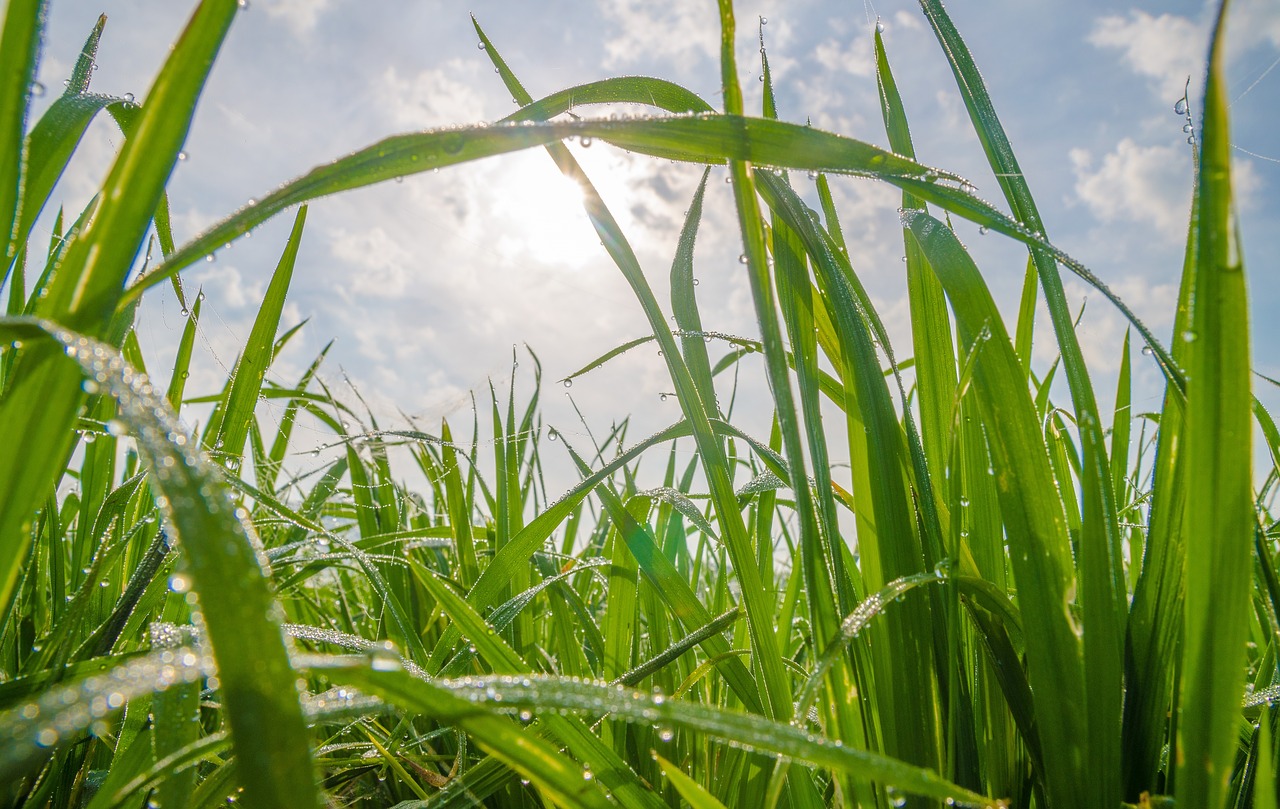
[
  {"x": 1135, "y": 183},
  {"x": 431, "y": 98},
  {"x": 681, "y": 33},
  {"x": 1149, "y": 184},
  {"x": 300, "y": 15},
  {"x": 1168, "y": 48},
  {"x": 380, "y": 260},
  {"x": 856, "y": 56}
]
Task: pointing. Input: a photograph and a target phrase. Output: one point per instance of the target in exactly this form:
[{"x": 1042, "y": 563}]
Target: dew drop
[
  {"x": 1180, "y": 107},
  {"x": 179, "y": 583},
  {"x": 89, "y": 438},
  {"x": 182, "y": 155},
  {"x": 879, "y": 26},
  {"x": 585, "y": 141},
  {"x": 587, "y": 775},
  {"x": 37, "y": 89},
  {"x": 662, "y": 397},
  {"x": 210, "y": 258},
  {"x": 117, "y": 427},
  {"x": 1187, "y": 128},
  {"x": 480, "y": 45},
  {"x": 742, "y": 259},
  {"x": 666, "y": 733},
  {"x": 384, "y": 657},
  {"x": 695, "y": 282},
  {"x": 568, "y": 383},
  {"x": 967, "y": 187},
  {"x": 1148, "y": 350},
  {"x": 128, "y": 98},
  {"x": 984, "y": 230},
  {"x": 89, "y": 386},
  {"x": 1189, "y": 336}
]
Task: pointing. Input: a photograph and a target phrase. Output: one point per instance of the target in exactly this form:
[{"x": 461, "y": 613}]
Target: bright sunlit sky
[{"x": 427, "y": 284}]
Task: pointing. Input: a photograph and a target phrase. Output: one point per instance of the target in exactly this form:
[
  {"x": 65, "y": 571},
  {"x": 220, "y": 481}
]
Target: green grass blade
[
  {"x": 541, "y": 693},
  {"x": 689, "y": 789},
  {"x": 1219, "y": 452},
  {"x": 43, "y": 395},
  {"x": 1034, "y": 519},
  {"x": 226, "y": 571},
  {"x": 250, "y": 371},
  {"x": 1103, "y": 593},
  {"x": 20, "y": 42}
]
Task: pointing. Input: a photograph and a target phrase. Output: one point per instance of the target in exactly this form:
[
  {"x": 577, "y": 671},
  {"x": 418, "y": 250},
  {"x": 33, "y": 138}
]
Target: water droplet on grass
[
  {"x": 117, "y": 427},
  {"x": 1180, "y": 107},
  {"x": 1189, "y": 336},
  {"x": 128, "y": 98},
  {"x": 742, "y": 259},
  {"x": 182, "y": 155},
  {"x": 384, "y": 657},
  {"x": 879, "y": 26},
  {"x": 585, "y": 141},
  {"x": 568, "y": 383},
  {"x": 37, "y": 89},
  {"x": 1148, "y": 350},
  {"x": 89, "y": 386}
]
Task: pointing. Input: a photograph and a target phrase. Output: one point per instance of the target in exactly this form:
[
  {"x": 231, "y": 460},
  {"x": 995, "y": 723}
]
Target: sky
[{"x": 427, "y": 285}]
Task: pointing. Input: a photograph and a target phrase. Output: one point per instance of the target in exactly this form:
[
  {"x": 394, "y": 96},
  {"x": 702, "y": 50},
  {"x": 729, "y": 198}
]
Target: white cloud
[
  {"x": 1168, "y": 48},
  {"x": 380, "y": 259},
  {"x": 432, "y": 98},
  {"x": 300, "y": 15},
  {"x": 1149, "y": 184},
  {"x": 676, "y": 32},
  {"x": 1136, "y": 184},
  {"x": 856, "y": 56}
]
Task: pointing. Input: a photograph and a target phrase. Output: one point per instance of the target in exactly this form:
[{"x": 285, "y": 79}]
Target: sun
[{"x": 538, "y": 214}]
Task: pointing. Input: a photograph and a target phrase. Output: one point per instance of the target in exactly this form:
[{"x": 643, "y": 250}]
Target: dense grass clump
[{"x": 1001, "y": 602}]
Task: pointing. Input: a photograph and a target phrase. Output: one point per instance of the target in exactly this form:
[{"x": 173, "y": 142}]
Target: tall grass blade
[{"x": 1219, "y": 452}]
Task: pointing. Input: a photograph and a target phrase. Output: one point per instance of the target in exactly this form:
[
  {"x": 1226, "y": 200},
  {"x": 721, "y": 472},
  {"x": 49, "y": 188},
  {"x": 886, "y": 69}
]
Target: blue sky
[{"x": 429, "y": 283}]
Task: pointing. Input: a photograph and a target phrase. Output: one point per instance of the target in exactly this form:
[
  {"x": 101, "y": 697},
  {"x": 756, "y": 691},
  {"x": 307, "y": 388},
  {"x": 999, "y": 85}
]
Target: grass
[{"x": 1035, "y": 607}]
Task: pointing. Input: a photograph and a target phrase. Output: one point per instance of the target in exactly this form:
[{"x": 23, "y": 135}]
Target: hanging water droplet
[
  {"x": 742, "y": 259},
  {"x": 983, "y": 230},
  {"x": 879, "y": 26},
  {"x": 765, "y": 21},
  {"x": 37, "y": 89},
  {"x": 1180, "y": 107},
  {"x": 568, "y": 383},
  {"x": 585, "y": 140},
  {"x": 1187, "y": 128},
  {"x": 384, "y": 657},
  {"x": 182, "y": 155},
  {"x": 210, "y": 258},
  {"x": 903, "y": 259},
  {"x": 695, "y": 282},
  {"x": 1148, "y": 350},
  {"x": 480, "y": 45}
]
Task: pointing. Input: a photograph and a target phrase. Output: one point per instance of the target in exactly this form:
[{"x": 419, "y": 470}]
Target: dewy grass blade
[
  {"x": 1034, "y": 520},
  {"x": 40, "y": 404},
  {"x": 1101, "y": 581},
  {"x": 256, "y": 356},
  {"x": 226, "y": 572},
  {"x": 20, "y": 41},
  {"x": 1219, "y": 452},
  {"x": 542, "y": 693}
]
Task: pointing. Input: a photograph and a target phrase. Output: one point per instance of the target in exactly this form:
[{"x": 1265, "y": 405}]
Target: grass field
[{"x": 1002, "y": 601}]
